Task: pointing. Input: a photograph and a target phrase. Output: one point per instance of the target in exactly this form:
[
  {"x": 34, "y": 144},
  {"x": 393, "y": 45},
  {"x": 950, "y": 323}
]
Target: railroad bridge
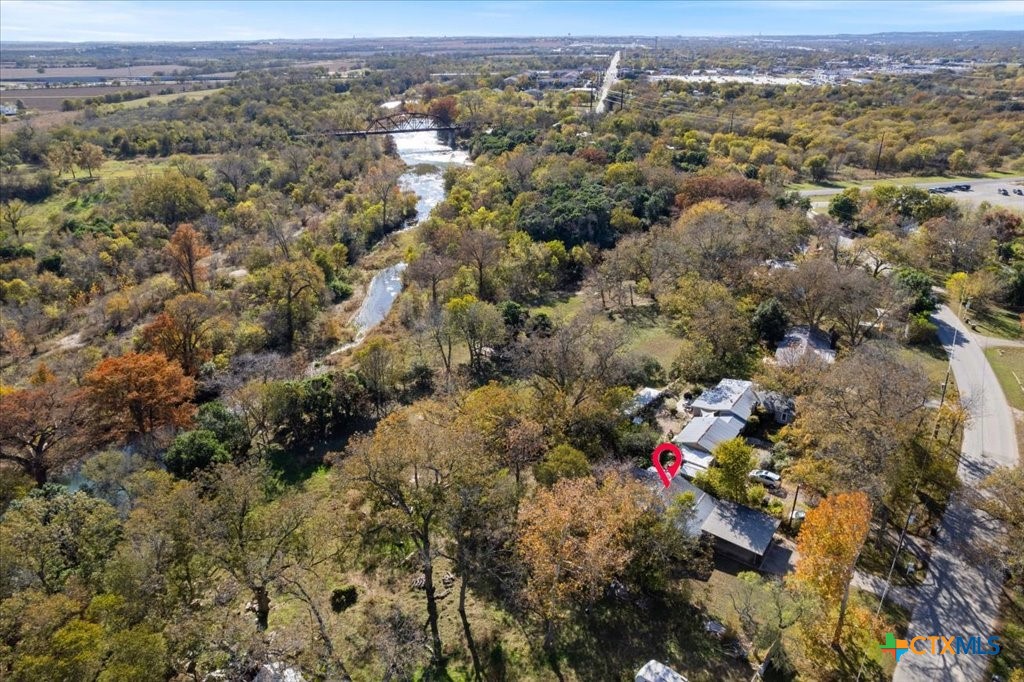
[{"x": 401, "y": 122}]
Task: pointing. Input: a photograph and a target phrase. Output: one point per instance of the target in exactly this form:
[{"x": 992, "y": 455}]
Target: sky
[{"x": 151, "y": 20}]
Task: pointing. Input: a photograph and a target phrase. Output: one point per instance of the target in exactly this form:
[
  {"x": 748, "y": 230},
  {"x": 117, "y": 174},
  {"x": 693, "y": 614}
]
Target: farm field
[{"x": 51, "y": 99}]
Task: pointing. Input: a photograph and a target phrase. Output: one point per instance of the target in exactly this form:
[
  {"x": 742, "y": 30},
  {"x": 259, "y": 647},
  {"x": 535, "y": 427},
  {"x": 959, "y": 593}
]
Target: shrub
[{"x": 343, "y": 598}]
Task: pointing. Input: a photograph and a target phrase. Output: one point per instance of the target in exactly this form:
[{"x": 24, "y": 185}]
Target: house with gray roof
[
  {"x": 739, "y": 532},
  {"x": 733, "y": 397}
]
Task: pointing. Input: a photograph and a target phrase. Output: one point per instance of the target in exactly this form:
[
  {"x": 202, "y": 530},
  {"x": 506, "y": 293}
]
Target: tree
[
  {"x": 479, "y": 324},
  {"x": 769, "y": 321},
  {"x": 856, "y": 419},
  {"x": 54, "y": 535},
  {"x": 226, "y": 426},
  {"x": 444, "y": 109},
  {"x": 481, "y": 249},
  {"x": 12, "y": 216},
  {"x": 577, "y": 362},
  {"x": 169, "y": 198},
  {"x": 1005, "y": 502},
  {"x": 90, "y": 157},
  {"x": 194, "y": 450},
  {"x": 41, "y": 427},
  {"x": 562, "y": 462},
  {"x": 295, "y": 293},
  {"x": 409, "y": 488},
  {"x": 138, "y": 394},
  {"x": 734, "y": 460},
  {"x": 810, "y": 290},
  {"x": 817, "y": 166},
  {"x": 379, "y": 366},
  {"x": 61, "y": 158},
  {"x": 381, "y": 182},
  {"x": 429, "y": 269},
  {"x": 251, "y": 532},
  {"x": 184, "y": 250},
  {"x": 717, "y": 329},
  {"x": 573, "y": 539},
  {"x": 845, "y": 205},
  {"x": 182, "y": 331},
  {"x": 828, "y": 546}
]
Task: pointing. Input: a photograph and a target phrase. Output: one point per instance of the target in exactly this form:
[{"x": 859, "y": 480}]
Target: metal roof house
[
  {"x": 730, "y": 397},
  {"x": 705, "y": 432},
  {"x": 656, "y": 671},
  {"x": 803, "y": 341},
  {"x": 739, "y": 532},
  {"x": 643, "y": 398}
]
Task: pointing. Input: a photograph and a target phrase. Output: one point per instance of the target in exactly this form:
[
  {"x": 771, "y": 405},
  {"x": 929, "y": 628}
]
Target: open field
[
  {"x": 161, "y": 99},
  {"x": 833, "y": 186},
  {"x": 1006, "y": 363},
  {"x": 51, "y": 99},
  {"x": 142, "y": 71}
]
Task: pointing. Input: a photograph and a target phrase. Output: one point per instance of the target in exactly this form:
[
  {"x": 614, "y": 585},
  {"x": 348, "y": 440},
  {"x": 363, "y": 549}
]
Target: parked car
[
  {"x": 1019, "y": 191},
  {"x": 962, "y": 188},
  {"x": 1004, "y": 192},
  {"x": 769, "y": 479}
]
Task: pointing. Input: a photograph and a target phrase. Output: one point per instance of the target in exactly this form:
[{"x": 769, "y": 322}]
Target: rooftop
[
  {"x": 730, "y": 395},
  {"x": 706, "y": 432},
  {"x": 801, "y": 340}
]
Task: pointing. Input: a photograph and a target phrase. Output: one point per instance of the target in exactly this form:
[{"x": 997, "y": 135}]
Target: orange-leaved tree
[
  {"x": 182, "y": 331},
  {"x": 185, "y": 249},
  {"x": 40, "y": 425},
  {"x": 574, "y": 539},
  {"x": 828, "y": 546},
  {"x": 137, "y": 394}
]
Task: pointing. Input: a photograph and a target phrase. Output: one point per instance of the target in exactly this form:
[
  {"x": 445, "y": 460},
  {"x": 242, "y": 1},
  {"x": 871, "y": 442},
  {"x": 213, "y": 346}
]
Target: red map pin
[{"x": 669, "y": 472}]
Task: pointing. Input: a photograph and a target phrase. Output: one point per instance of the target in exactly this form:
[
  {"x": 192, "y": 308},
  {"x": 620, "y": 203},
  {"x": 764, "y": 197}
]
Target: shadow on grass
[
  {"x": 297, "y": 463},
  {"x": 616, "y": 638}
]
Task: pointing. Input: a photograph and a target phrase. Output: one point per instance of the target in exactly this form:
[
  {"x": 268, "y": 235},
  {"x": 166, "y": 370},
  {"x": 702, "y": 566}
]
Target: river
[{"x": 418, "y": 151}]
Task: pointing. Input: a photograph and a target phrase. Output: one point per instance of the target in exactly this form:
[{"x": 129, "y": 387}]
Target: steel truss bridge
[{"x": 402, "y": 122}]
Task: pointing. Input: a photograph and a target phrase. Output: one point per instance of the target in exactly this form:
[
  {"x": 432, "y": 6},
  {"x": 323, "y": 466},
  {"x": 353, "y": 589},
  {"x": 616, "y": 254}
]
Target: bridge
[{"x": 401, "y": 122}]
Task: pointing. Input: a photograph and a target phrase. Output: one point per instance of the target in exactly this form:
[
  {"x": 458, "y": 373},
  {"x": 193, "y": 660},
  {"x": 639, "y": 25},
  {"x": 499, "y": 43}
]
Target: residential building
[
  {"x": 804, "y": 341},
  {"x": 733, "y": 397}
]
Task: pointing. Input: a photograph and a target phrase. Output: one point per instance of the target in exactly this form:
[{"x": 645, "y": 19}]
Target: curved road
[
  {"x": 961, "y": 593},
  {"x": 610, "y": 76}
]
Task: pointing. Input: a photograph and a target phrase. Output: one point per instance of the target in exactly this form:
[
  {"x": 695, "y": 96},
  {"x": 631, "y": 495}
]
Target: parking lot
[{"x": 981, "y": 190}]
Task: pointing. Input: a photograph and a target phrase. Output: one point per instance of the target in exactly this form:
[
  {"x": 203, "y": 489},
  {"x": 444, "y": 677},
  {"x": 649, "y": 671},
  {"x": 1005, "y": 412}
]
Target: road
[
  {"x": 981, "y": 190},
  {"x": 610, "y": 76},
  {"x": 961, "y": 594}
]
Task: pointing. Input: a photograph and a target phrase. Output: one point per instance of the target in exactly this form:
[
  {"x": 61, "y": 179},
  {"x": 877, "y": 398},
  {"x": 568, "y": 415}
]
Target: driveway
[{"x": 961, "y": 593}]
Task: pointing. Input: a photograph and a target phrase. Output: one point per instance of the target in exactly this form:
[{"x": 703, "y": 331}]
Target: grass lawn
[
  {"x": 901, "y": 180},
  {"x": 1007, "y": 362},
  {"x": 933, "y": 360},
  {"x": 1011, "y": 633},
  {"x": 159, "y": 99},
  {"x": 998, "y": 322}
]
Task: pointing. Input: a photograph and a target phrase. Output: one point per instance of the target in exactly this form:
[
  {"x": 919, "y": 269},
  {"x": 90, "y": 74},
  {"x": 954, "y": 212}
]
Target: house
[
  {"x": 644, "y": 399},
  {"x": 655, "y": 671},
  {"x": 730, "y": 397},
  {"x": 705, "y": 433},
  {"x": 698, "y": 440},
  {"x": 804, "y": 341},
  {"x": 739, "y": 532},
  {"x": 782, "y": 408}
]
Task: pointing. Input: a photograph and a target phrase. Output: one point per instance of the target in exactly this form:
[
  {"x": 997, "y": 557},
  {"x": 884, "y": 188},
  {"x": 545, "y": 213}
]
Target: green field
[
  {"x": 159, "y": 99},
  {"x": 1008, "y": 364},
  {"x": 901, "y": 180}
]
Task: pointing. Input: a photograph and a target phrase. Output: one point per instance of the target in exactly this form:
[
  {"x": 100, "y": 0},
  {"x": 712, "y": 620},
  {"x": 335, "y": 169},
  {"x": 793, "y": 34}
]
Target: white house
[
  {"x": 733, "y": 397},
  {"x": 802, "y": 342},
  {"x": 656, "y": 671}
]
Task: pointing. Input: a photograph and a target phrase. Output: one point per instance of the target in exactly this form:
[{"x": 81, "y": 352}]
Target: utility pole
[
  {"x": 878, "y": 156},
  {"x": 793, "y": 510},
  {"x": 732, "y": 116}
]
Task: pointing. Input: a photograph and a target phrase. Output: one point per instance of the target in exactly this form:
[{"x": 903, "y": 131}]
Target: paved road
[
  {"x": 981, "y": 190},
  {"x": 961, "y": 593},
  {"x": 610, "y": 76}
]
